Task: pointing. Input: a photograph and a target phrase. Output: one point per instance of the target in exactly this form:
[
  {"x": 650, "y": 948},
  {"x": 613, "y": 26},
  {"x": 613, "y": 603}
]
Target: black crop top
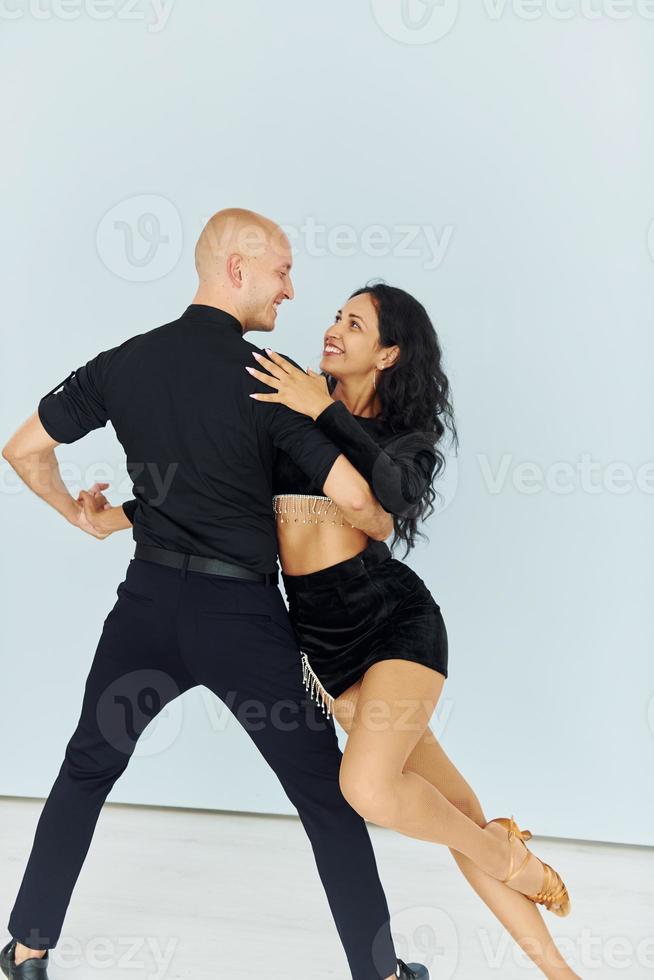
[{"x": 398, "y": 467}]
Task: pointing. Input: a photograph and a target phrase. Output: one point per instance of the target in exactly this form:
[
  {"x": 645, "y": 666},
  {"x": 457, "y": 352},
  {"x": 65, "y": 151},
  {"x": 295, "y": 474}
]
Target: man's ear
[{"x": 234, "y": 268}]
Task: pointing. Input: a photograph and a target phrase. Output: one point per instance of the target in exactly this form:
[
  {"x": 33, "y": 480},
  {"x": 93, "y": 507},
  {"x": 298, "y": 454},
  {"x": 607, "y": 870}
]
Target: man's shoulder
[
  {"x": 145, "y": 338},
  {"x": 261, "y": 350},
  {"x": 122, "y": 348}
]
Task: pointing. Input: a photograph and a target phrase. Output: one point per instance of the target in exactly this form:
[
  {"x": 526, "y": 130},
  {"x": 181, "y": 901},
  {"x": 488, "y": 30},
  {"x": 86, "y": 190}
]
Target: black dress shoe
[
  {"x": 412, "y": 971},
  {"x": 33, "y": 968}
]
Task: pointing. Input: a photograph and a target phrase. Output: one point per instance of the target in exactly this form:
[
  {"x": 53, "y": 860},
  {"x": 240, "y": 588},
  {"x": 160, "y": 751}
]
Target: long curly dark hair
[{"x": 414, "y": 392}]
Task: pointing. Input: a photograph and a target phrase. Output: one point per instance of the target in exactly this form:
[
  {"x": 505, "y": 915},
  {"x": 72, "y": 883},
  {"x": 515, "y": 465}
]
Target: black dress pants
[{"x": 169, "y": 630}]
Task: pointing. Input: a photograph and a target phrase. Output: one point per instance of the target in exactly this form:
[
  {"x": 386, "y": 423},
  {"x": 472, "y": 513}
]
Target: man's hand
[{"x": 96, "y": 516}]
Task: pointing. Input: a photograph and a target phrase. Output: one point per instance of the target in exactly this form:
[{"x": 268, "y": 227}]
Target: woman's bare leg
[{"x": 520, "y": 917}]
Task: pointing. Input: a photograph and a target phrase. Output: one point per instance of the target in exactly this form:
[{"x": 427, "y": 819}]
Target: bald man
[{"x": 199, "y": 603}]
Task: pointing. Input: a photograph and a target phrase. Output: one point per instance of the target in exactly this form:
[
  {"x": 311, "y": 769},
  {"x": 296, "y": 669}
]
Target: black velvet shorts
[{"x": 351, "y": 615}]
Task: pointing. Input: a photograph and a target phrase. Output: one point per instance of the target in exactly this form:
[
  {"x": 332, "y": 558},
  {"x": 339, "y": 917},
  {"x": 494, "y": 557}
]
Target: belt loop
[{"x": 185, "y": 565}]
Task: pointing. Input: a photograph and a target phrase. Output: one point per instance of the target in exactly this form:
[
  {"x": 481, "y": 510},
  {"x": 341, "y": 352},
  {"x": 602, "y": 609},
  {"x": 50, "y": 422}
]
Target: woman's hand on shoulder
[{"x": 304, "y": 392}]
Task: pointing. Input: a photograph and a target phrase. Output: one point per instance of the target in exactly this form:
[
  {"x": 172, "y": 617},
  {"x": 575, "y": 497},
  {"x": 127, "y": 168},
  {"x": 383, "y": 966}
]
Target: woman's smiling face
[{"x": 351, "y": 344}]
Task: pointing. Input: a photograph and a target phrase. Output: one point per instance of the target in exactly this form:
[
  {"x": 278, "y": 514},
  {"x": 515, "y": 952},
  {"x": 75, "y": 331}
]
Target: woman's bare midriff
[{"x": 312, "y": 535}]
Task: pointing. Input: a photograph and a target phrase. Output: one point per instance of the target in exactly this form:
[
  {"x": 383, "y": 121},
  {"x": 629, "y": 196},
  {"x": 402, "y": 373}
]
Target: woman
[{"x": 372, "y": 638}]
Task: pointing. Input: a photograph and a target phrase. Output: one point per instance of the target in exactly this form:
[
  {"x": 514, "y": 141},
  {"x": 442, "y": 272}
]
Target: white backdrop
[{"x": 495, "y": 160}]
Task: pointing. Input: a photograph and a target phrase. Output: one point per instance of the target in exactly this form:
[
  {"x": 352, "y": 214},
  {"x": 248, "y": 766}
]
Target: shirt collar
[{"x": 213, "y": 315}]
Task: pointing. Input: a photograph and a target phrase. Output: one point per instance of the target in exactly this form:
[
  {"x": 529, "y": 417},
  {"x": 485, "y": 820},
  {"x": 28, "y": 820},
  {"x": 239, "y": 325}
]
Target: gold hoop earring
[{"x": 374, "y": 380}]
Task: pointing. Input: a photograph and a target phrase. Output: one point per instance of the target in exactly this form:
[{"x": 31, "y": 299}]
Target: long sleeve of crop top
[{"x": 398, "y": 474}]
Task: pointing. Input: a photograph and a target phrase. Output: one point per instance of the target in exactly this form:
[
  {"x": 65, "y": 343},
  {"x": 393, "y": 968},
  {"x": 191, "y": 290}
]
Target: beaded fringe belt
[
  {"x": 307, "y": 508},
  {"x": 315, "y": 688}
]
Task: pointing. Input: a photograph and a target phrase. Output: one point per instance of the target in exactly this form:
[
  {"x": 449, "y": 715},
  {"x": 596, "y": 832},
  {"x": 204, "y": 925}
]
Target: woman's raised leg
[{"x": 427, "y": 759}]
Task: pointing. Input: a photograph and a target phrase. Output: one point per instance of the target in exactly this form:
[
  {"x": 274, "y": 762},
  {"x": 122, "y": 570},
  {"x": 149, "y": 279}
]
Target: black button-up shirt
[{"x": 199, "y": 450}]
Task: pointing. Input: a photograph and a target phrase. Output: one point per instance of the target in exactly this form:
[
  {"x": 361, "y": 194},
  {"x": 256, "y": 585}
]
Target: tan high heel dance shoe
[{"x": 553, "y": 894}]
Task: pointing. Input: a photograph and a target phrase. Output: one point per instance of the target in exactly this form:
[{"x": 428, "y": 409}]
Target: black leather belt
[{"x": 198, "y": 563}]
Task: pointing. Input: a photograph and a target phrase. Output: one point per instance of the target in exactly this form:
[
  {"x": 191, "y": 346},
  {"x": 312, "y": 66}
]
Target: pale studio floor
[{"x": 173, "y": 894}]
